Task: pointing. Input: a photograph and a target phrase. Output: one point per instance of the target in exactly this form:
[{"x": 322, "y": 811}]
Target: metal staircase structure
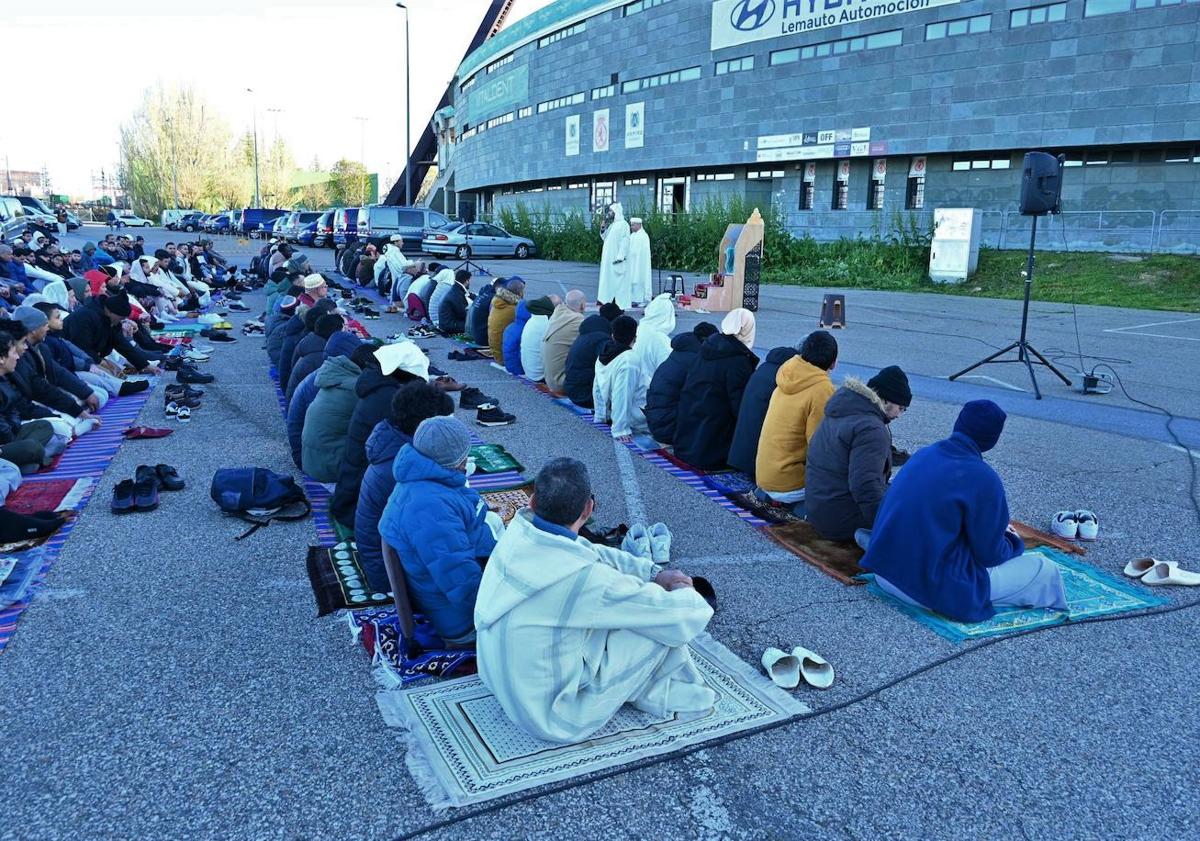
[{"x": 424, "y": 152}]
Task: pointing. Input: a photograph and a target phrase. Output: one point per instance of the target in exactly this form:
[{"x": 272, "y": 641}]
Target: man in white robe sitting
[{"x": 568, "y": 631}]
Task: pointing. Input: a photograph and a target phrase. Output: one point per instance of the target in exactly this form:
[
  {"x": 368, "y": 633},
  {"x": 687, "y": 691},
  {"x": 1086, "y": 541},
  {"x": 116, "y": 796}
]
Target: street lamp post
[
  {"x": 174, "y": 162},
  {"x": 407, "y": 113},
  {"x": 273, "y": 156},
  {"x": 362, "y": 158},
  {"x": 254, "y": 105}
]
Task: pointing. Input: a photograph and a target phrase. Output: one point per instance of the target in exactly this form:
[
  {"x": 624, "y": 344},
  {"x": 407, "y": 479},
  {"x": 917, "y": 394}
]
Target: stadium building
[{"x": 839, "y": 113}]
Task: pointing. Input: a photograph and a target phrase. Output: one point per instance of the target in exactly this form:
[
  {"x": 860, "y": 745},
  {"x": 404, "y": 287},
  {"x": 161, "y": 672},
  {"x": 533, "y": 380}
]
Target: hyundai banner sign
[{"x": 745, "y": 21}]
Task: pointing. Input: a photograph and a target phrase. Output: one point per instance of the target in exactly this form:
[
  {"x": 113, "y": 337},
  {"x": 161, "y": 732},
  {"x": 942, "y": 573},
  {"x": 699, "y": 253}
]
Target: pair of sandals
[
  {"x": 786, "y": 670},
  {"x": 1158, "y": 573}
]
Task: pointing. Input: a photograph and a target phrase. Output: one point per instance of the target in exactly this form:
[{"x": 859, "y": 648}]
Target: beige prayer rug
[{"x": 462, "y": 748}]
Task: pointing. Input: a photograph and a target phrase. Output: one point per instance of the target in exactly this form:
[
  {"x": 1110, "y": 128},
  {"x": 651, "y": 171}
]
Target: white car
[{"x": 129, "y": 220}]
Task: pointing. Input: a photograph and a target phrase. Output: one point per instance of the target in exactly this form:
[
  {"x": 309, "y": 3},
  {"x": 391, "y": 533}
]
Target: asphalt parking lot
[{"x": 170, "y": 682}]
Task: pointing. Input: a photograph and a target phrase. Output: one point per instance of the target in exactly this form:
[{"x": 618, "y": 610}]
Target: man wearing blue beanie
[{"x": 942, "y": 538}]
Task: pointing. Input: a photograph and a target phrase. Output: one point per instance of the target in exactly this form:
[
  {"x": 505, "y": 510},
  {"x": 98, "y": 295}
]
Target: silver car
[{"x": 478, "y": 239}]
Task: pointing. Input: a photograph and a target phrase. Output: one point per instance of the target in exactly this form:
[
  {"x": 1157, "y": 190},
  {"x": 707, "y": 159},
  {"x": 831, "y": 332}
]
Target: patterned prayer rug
[
  {"x": 729, "y": 482},
  {"x": 47, "y": 495},
  {"x": 838, "y": 559},
  {"x": 462, "y": 748},
  {"x": 493, "y": 458},
  {"x": 398, "y": 667},
  {"x": 338, "y": 580},
  {"x": 508, "y": 501},
  {"x": 1090, "y": 592},
  {"x": 772, "y": 512}
]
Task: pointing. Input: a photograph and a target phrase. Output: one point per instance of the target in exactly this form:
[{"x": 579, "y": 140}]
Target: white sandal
[
  {"x": 783, "y": 669},
  {"x": 814, "y": 668},
  {"x": 1139, "y": 567},
  {"x": 1168, "y": 572}
]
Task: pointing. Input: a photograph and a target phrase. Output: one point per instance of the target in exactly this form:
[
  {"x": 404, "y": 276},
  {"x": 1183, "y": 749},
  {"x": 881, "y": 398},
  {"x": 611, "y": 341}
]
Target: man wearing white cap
[
  {"x": 315, "y": 288},
  {"x": 639, "y": 263}
]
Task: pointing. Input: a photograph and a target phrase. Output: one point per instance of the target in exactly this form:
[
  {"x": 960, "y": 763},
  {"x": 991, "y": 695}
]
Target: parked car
[
  {"x": 253, "y": 218},
  {"x": 477, "y": 238},
  {"x": 189, "y": 222},
  {"x": 345, "y": 226},
  {"x": 73, "y": 222},
  {"x": 170, "y": 217},
  {"x": 286, "y": 226},
  {"x": 377, "y": 223},
  {"x": 271, "y": 227},
  {"x": 306, "y": 228},
  {"x": 221, "y": 223},
  {"x": 13, "y": 218},
  {"x": 128, "y": 219},
  {"x": 323, "y": 236}
]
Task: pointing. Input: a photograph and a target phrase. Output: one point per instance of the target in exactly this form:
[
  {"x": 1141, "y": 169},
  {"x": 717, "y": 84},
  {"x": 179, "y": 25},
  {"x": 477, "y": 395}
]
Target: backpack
[{"x": 258, "y": 496}]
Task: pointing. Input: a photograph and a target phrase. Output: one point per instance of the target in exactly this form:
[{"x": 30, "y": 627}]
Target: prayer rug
[
  {"x": 47, "y": 495},
  {"x": 729, "y": 482},
  {"x": 338, "y": 580},
  {"x": 771, "y": 512},
  {"x": 493, "y": 458},
  {"x": 680, "y": 463},
  {"x": 494, "y": 481},
  {"x": 462, "y": 748},
  {"x": 696, "y": 482},
  {"x": 1090, "y": 592},
  {"x": 89, "y": 455},
  {"x": 398, "y": 667},
  {"x": 319, "y": 497},
  {"x": 838, "y": 559},
  {"x": 508, "y": 501},
  {"x": 344, "y": 533}
]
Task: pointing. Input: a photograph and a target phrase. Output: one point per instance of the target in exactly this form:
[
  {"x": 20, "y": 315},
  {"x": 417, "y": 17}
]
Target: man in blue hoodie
[
  {"x": 439, "y": 528},
  {"x": 942, "y": 538}
]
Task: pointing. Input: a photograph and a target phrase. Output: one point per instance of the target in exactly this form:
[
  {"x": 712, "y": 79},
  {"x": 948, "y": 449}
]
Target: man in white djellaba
[
  {"x": 614, "y": 261},
  {"x": 639, "y": 263}
]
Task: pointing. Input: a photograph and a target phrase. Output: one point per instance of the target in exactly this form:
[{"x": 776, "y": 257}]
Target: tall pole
[
  {"x": 254, "y": 105},
  {"x": 174, "y": 163},
  {"x": 408, "y": 199},
  {"x": 362, "y": 158}
]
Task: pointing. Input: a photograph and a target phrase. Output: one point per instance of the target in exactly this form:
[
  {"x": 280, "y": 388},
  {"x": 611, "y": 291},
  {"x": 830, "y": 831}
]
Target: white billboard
[
  {"x": 746, "y": 21},
  {"x": 635, "y": 125},
  {"x": 572, "y": 135}
]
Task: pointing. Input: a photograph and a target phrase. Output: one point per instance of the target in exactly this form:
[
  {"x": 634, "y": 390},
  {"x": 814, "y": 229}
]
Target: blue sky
[{"x": 320, "y": 63}]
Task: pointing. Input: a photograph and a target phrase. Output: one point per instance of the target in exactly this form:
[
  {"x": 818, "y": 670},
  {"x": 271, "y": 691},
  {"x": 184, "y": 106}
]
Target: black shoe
[
  {"x": 132, "y": 387},
  {"x": 145, "y": 493},
  {"x": 473, "y": 398},
  {"x": 191, "y": 375},
  {"x": 494, "y": 416},
  {"x": 122, "y": 501},
  {"x": 146, "y": 473},
  {"x": 168, "y": 477},
  {"x": 173, "y": 363},
  {"x": 369, "y": 312},
  {"x": 238, "y": 306},
  {"x": 231, "y": 294},
  {"x": 899, "y": 457},
  {"x": 176, "y": 390},
  {"x": 220, "y": 336}
]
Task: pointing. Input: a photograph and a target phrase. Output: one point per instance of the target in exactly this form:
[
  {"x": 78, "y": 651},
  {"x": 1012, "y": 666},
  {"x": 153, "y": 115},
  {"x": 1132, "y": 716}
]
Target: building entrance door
[{"x": 673, "y": 195}]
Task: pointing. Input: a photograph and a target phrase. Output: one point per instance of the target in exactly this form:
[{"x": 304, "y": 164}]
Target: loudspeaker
[{"x": 1041, "y": 184}]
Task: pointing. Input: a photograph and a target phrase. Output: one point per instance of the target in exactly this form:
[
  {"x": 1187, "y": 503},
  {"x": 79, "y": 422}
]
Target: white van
[{"x": 173, "y": 215}]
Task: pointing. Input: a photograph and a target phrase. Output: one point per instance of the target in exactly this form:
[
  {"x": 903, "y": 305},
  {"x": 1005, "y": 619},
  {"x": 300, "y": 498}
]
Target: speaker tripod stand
[
  {"x": 1027, "y": 354},
  {"x": 468, "y": 264}
]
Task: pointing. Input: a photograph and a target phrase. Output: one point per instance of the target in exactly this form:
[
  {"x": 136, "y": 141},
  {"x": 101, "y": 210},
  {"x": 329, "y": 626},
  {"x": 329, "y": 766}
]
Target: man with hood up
[
  {"x": 631, "y": 376},
  {"x": 614, "y": 261},
  {"x": 608, "y": 362},
  {"x": 580, "y": 373},
  {"x": 503, "y": 313}
]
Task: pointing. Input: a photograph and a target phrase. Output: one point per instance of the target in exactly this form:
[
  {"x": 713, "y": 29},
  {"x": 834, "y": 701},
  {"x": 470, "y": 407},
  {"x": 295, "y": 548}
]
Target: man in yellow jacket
[
  {"x": 802, "y": 388},
  {"x": 503, "y": 313}
]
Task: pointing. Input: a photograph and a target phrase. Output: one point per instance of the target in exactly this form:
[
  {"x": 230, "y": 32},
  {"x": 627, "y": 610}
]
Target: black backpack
[{"x": 258, "y": 496}]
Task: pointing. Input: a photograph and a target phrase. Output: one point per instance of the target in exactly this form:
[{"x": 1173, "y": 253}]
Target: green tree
[{"x": 349, "y": 183}]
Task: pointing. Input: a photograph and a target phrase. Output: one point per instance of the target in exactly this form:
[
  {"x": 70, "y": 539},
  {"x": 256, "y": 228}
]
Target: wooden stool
[{"x": 833, "y": 311}]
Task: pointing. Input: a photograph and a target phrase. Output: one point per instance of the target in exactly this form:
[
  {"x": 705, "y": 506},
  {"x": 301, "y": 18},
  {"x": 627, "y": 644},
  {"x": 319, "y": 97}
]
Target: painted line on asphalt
[
  {"x": 1193, "y": 453},
  {"x": 634, "y": 506},
  {"x": 1001, "y": 383},
  {"x": 1136, "y": 330},
  {"x": 779, "y": 556}
]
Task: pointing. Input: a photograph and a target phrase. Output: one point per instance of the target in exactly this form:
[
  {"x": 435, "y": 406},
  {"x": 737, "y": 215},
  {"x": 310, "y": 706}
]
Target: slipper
[
  {"x": 146, "y": 432},
  {"x": 660, "y": 543},
  {"x": 782, "y": 669},
  {"x": 814, "y": 668},
  {"x": 1139, "y": 567},
  {"x": 1166, "y": 573}
]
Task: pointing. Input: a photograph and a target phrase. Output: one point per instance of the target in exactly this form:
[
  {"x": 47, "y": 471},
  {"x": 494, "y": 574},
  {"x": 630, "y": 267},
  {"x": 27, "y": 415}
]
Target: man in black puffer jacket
[
  {"x": 662, "y": 398},
  {"x": 477, "y": 314},
  {"x": 594, "y": 334},
  {"x": 451, "y": 317},
  {"x": 850, "y": 455},
  {"x": 743, "y": 452}
]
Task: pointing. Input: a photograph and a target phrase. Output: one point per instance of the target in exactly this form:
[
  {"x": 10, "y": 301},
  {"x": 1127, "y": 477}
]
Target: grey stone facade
[{"x": 1127, "y": 82}]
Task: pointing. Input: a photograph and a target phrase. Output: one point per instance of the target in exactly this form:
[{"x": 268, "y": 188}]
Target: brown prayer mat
[
  {"x": 836, "y": 558},
  {"x": 508, "y": 501}
]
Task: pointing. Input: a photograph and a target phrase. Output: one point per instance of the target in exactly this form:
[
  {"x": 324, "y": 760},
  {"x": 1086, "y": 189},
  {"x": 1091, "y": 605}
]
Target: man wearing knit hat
[
  {"x": 95, "y": 327},
  {"x": 947, "y": 545},
  {"x": 850, "y": 455},
  {"x": 315, "y": 288},
  {"x": 439, "y": 529}
]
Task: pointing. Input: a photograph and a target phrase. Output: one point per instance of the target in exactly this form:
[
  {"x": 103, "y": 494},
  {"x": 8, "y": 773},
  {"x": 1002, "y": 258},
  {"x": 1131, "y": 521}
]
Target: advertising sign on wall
[
  {"x": 746, "y": 21},
  {"x": 635, "y": 125},
  {"x": 600, "y": 130},
  {"x": 572, "y": 135},
  {"x": 497, "y": 95}
]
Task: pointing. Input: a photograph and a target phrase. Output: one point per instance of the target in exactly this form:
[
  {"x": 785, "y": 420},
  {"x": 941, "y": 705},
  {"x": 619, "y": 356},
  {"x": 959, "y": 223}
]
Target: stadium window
[
  {"x": 500, "y": 62},
  {"x": 554, "y": 186},
  {"x": 467, "y": 85},
  {"x": 577, "y": 185},
  {"x": 689, "y": 74},
  {"x": 785, "y": 56},
  {"x": 565, "y": 32},
  {"x": 891, "y": 38},
  {"x": 735, "y": 65},
  {"x": 807, "y": 189},
  {"x": 961, "y": 26},
  {"x": 641, "y": 6},
  {"x": 468, "y": 133},
  {"x": 1178, "y": 155},
  {"x": 875, "y": 190},
  {"x": 1095, "y": 8},
  {"x": 764, "y": 174},
  {"x": 914, "y": 197},
  {"x": 963, "y": 164},
  {"x": 1120, "y": 156},
  {"x": 604, "y": 92},
  {"x": 636, "y": 182},
  {"x": 714, "y": 176},
  {"x": 1052, "y": 13},
  {"x": 841, "y": 192},
  {"x": 604, "y": 193},
  {"x": 524, "y": 112},
  {"x": 1095, "y": 157},
  {"x": 561, "y": 102},
  {"x": 501, "y": 120},
  {"x": 1001, "y": 163}
]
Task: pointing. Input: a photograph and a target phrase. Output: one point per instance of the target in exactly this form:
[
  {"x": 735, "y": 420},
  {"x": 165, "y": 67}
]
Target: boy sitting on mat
[
  {"x": 942, "y": 539},
  {"x": 568, "y": 631}
]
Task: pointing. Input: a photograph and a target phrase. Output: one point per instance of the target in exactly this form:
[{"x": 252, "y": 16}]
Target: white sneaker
[
  {"x": 637, "y": 542},
  {"x": 1065, "y": 525},
  {"x": 1089, "y": 525},
  {"x": 660, "y": 543}
]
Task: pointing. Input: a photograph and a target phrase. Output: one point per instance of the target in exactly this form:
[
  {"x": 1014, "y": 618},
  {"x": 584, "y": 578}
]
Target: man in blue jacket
[
  {"x": 942, "y": 538},
  {"x": 439, "y": 528}
]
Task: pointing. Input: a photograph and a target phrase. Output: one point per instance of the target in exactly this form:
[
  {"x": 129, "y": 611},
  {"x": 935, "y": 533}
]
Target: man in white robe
[
  {"x": 568, "y": 631},
  {"x": 630, "y": 377},
  {"x": 639, "y": 263},
  {"x": 614, "y": 261}
]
